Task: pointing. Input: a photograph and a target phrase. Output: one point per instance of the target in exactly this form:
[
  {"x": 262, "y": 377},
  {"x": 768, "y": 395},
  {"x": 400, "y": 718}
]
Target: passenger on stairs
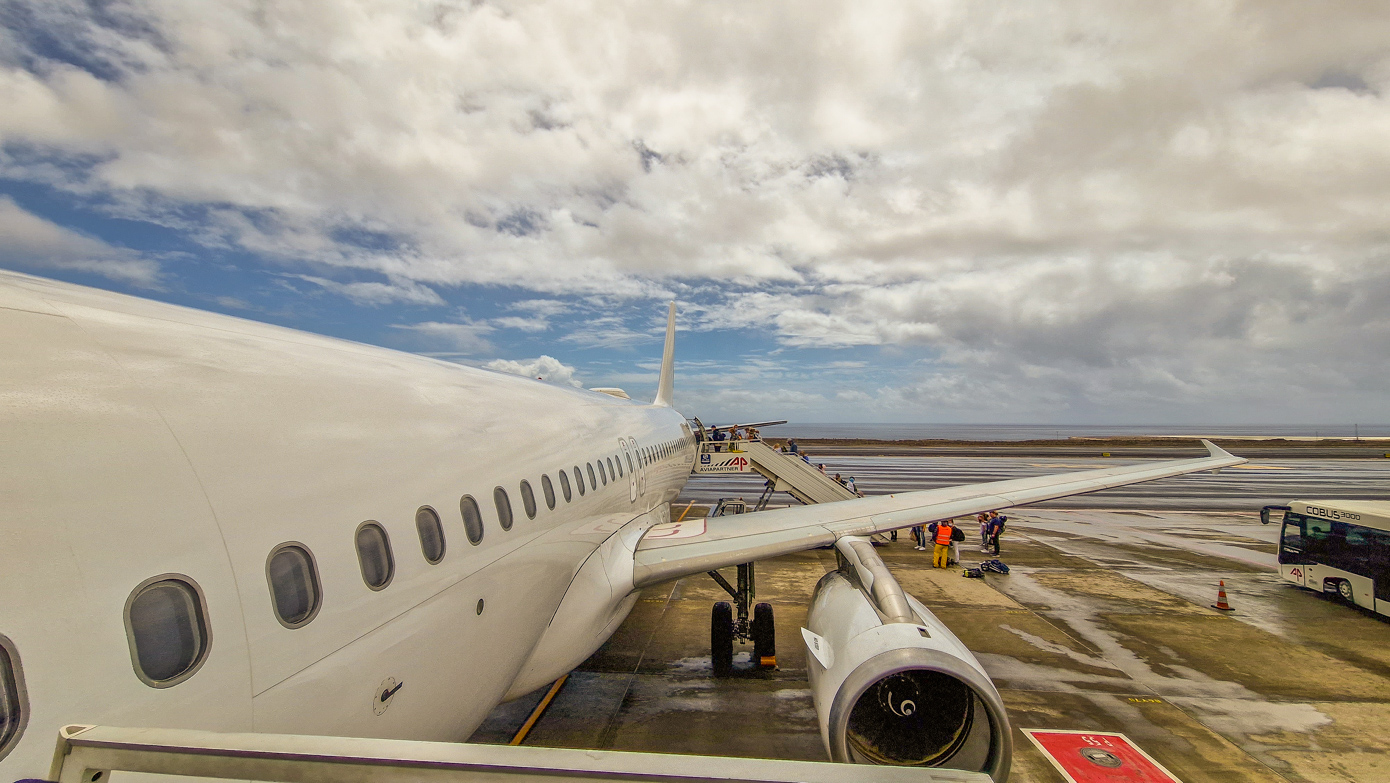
[{"x": 791, "y": 445}]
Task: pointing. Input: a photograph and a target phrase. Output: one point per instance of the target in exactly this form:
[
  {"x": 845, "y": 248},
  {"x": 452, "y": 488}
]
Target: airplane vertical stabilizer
[{"x": 667, "y": 386}]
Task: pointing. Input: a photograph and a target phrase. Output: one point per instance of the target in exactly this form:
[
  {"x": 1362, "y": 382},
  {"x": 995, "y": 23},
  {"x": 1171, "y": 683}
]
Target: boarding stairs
[{"x": 784, "y": 472}]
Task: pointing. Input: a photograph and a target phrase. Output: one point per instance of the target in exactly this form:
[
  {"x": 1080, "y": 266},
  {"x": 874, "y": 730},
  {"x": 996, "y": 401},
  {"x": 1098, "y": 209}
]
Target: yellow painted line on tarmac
[{"x": 537, "y": 712}]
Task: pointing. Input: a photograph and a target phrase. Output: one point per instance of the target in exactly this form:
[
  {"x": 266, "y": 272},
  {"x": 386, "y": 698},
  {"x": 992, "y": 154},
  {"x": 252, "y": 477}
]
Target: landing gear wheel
[
  {"x": 721, "y": 638},
  {"x": 1344, "y": 590},
  {"x": 764, "y": 637}
]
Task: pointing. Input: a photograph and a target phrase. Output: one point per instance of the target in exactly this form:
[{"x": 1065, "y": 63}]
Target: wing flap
[{"x": 743, "y": 538}]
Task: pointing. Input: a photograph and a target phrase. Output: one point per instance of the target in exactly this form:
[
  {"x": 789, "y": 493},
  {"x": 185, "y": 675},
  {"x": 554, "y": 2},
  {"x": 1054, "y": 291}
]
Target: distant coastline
[
  {"x": 1169, "y": 446},
  {"x": 1000, "y": 433}
]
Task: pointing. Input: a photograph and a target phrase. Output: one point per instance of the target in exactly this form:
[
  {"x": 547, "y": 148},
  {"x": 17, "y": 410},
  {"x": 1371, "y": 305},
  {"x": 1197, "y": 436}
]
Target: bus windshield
[{"x": 1291, "y": 539}]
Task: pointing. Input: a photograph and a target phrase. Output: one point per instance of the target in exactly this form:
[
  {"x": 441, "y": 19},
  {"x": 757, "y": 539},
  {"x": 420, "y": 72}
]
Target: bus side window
[{"x": 1315, "y": 529}]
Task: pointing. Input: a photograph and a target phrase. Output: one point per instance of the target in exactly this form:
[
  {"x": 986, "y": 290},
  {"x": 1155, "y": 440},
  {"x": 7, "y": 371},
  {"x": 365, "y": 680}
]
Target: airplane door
[
  {"x": 631, "y": 473},
  {"x": 641, "y": 467}
]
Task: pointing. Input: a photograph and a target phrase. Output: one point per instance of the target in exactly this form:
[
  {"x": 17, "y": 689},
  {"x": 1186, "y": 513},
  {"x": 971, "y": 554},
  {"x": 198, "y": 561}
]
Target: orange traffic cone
[{"x": 1221, "y": 599}]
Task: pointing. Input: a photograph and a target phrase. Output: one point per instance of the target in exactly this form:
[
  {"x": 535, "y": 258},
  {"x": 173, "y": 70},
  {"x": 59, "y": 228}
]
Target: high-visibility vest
[{"x": 943, "y": 534}]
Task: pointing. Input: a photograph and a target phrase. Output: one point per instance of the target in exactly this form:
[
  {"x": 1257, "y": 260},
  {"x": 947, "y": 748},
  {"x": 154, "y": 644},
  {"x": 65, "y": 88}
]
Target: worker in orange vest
[{"x": 940, "y": 533}]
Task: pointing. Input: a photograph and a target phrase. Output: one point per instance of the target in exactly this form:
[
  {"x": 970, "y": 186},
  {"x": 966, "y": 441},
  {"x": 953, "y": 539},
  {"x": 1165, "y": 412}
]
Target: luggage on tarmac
[
  {"x": 994, "y": 566},
  {"x": 973, "y": 573}
]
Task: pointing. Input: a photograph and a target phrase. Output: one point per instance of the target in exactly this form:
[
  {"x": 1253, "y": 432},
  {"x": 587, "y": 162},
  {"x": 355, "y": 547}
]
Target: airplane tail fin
[{"x": 667, "y": 386}]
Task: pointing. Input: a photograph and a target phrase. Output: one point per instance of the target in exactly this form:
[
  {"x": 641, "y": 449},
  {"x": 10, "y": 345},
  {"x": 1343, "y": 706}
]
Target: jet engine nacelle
[{"x": 891, "y": 684}]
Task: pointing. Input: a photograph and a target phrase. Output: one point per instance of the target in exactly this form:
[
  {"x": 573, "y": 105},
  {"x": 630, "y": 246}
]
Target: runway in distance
[{"x": 218, "y": 524}]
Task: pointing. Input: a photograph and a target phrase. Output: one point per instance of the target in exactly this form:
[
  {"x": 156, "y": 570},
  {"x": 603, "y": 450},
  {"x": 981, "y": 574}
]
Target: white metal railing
[{"x": 88, "y": 754}]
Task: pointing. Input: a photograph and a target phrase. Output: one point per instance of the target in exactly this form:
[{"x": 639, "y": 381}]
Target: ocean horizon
[{"x": 1004, "y": 432}]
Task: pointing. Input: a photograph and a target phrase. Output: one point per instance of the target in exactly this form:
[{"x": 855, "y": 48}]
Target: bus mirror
[
  {"x": 1264, "y": 515},
  {"x": 1265, "y": 518}
]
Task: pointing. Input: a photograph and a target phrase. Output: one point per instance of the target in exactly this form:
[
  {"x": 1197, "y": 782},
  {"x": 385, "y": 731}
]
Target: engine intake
[{"x": 916, "y": 717}]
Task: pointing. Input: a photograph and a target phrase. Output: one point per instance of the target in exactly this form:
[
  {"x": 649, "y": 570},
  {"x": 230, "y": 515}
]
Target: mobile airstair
[{"x": 784, "y": 472}]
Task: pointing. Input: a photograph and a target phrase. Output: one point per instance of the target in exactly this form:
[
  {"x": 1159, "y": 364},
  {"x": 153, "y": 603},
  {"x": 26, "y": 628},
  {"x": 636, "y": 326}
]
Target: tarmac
[{"x": 1103, "y": 624}]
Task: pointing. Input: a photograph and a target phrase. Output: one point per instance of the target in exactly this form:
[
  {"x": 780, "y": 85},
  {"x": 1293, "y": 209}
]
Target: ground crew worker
[{"x": 941, "y": 537}]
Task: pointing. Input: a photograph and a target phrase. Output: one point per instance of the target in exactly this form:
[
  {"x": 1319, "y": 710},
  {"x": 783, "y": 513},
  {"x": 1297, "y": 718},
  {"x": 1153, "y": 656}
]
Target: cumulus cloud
[
  {"x": 27, "y": 240},
  {"x": 1066, "y": 207},
  {"x": 546, "y": 368}
]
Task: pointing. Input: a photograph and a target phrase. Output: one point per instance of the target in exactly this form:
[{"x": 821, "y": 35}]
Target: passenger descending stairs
[{"x": 787, "y": 472}]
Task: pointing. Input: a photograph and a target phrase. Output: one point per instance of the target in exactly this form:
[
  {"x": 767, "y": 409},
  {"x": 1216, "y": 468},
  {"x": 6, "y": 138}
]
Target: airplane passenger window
[
  {"x": 609, "y": 460},
  {"x": 593, "y": 480},
  {"x": 549, "y": 490},
  {"x": 579, "y": 479},
  {"x": 602, "y": 474},
  {"x": 166, "y": 623},
  {"x": 528, "y": 499},
  {"x": 294, "y": 585},
  {"x": 374, "y": 555},
  {"x": 472, "y": 519},
  {"x": 504, "y": 507},
  {"x": 431, "y": 532},
  {"x": 565, "y": 485},
  {"x": 630, "y": 468},
  {"x": 14, "y": 707},
  {"x": 619, "y": 461}
]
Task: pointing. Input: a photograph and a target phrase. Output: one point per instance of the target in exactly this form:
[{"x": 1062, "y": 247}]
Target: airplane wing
[{"x": 675, "y": 550}]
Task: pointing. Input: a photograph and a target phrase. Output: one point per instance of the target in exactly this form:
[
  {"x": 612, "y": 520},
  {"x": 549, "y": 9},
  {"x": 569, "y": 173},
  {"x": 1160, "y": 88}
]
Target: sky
[{"x": 932, "y": 211}]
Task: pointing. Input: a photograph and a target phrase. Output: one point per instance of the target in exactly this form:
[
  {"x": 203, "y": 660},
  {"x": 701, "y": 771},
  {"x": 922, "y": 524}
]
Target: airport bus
[{"x": 1341, "y": 547}]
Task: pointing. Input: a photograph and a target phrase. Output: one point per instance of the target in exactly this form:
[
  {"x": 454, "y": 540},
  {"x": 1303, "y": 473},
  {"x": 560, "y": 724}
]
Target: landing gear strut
[{"x": 725, "y": 627}]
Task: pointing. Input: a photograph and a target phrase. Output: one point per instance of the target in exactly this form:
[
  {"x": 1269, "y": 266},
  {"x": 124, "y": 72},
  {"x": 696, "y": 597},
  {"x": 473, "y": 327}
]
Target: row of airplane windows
[{"x": 166, "y": 616}]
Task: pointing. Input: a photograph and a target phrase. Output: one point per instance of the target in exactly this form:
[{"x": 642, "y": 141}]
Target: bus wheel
[{"x": 1344, "y": 590}]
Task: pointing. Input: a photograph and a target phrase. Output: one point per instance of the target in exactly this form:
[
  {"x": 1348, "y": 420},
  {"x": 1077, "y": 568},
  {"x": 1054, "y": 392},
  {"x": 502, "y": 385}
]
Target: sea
[{"x": 1004, "y": 432}]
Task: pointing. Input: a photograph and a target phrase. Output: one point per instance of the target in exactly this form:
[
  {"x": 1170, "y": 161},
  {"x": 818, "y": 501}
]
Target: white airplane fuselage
[{"x": 143, "y": 439}]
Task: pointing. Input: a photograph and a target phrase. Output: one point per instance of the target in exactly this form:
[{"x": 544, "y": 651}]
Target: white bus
[{"x": 1341, "y": 547}]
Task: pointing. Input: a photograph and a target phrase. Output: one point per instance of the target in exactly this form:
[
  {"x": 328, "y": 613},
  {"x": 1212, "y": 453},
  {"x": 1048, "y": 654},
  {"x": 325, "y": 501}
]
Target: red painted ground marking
[{"x": 1098, "y": 757}]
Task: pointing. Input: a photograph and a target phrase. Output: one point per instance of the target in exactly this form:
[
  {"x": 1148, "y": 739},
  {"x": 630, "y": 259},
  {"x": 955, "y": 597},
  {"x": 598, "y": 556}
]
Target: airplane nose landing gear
[{"x": 726, "y": 628}]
